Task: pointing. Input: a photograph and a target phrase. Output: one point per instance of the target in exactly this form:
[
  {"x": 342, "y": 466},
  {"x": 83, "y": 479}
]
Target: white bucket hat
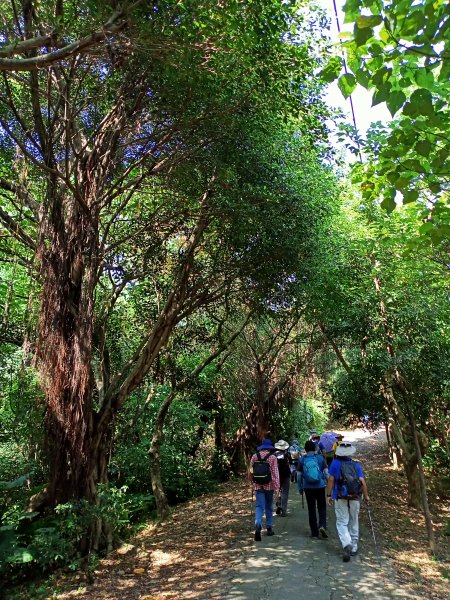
[
  {"x": 345, "y": 449},
  {"x": 281, "y": 445}
]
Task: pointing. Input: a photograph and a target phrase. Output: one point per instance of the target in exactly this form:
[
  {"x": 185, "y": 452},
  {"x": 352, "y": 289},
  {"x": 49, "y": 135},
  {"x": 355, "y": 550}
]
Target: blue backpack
[{"x": 311, "y": 470}]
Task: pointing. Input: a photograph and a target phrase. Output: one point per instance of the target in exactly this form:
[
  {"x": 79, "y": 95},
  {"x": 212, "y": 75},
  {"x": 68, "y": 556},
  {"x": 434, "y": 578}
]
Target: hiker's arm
[
  {"x": 364, "y": 489},
  {"x": 330, "y": 486}
]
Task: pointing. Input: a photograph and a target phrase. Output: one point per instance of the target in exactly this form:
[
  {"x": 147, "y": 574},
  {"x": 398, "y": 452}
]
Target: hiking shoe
[
  {"x": 353, "y": 552},
  {"x": 270, "y": 531},
  {"x": 278, "y": 511},
  {"x": 347, "y": 553},
  {"x": 283, "y": 513},
  {"x": 258, "y": 533},
  {"x": 323, "y": 532}
]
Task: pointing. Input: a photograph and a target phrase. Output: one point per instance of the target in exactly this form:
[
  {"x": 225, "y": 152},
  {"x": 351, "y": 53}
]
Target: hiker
[
  {"x": 339, "y": 438},
  {"x": 263, "y": 472},
  {"x": 311, "y": 480},
  {"x": 295, "y": 452},
  {"x": 345, "y": 487},
  {"x": 318, "y": 446},
  {"x": 284, "y": 470},
  {"x": 328, "y": 439}
]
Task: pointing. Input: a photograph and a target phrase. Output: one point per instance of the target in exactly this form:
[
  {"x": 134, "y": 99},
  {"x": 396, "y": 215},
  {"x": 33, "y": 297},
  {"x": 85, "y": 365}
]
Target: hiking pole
[
  {"x": 373, "y": 530},
  {"x": 251, "y": 510},
  {"x": 377, "y": 549}
]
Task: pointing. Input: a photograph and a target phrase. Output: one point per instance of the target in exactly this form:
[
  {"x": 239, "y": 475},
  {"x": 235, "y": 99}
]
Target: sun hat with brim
[
  {"x": 345, "y": 449},
  {"x": 281, "y": 445},
  {"x": 266, "y": 445}
]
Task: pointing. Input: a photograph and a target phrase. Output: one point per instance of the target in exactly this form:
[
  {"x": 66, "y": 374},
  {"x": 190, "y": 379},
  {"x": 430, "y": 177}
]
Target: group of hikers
[{"x": 324, "y": 472}]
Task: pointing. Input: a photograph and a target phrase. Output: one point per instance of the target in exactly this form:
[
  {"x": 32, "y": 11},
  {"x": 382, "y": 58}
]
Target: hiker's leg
[
  {"x": 268, "y": 498},
  {"x": 259, "y": 506},
  {"x": 353, "y": 524},
  {"x": 322, "y": 507},
  {"x": 342, "y": 516},
  {"x": 285, "y": 494},
  {"x": 311, "y": 502}
]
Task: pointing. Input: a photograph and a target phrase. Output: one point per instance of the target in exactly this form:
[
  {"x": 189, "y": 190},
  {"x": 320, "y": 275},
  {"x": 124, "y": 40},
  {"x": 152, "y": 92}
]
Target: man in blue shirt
[
  {"x": 311, "y": 480},
  {"x": 346, "y": 484}
]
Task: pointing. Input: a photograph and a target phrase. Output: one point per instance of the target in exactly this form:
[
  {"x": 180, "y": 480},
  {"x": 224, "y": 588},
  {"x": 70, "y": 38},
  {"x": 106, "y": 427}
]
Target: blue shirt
[
  {"x": 335, "y": 469},
  {"x": 301, "y": 481}
]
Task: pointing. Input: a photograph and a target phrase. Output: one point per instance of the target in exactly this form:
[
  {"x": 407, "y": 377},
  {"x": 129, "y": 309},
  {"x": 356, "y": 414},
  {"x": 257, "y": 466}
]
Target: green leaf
[
  {"x": 372, "y": 21},
  {"x": 424, "y": 78},
  {"x": 426, "y": 227},
  {"x": 410, "y": 110},
  {"x": 410, "y": 196},
  {"x": 361, "y": 36},
  {"x": 363, "y": 78},
  {"x": 444, "y": 73},
  {"x": 347, "y": 84},
  {"x": 388, "y": 204},
  {"x": 423, "y": 147},
  {"x": 351, "y": 10},
  {"x": 395, "y": 101},
  {"x": 382, "y": 94},
  {"x": 423, "y": 101},
  {"x": 402, "y": 183},
  {"x": 332, "y": 70},
  {"x": 413, "y": 165}
]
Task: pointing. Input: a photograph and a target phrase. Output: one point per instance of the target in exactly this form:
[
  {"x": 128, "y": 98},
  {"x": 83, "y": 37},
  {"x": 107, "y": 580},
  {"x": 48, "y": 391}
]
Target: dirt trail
[{"x": 206, "y": 551}]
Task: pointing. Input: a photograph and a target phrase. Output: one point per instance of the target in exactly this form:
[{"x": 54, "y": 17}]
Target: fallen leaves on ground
[
  {"x": 400, "y": 531},
  {"x": 194, "y": 553}
]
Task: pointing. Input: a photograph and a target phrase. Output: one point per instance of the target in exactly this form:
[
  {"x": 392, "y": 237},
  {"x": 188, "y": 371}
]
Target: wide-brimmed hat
[
  {"x": 345, "y": 449},
  {"x": 266, "y": 445},
  {"x": 281, "y": 445}
]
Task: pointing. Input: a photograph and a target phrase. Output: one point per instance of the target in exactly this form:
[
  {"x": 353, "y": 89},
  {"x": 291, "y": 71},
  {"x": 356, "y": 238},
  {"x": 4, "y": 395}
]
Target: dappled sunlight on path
[{"x": 206, "y": 551}]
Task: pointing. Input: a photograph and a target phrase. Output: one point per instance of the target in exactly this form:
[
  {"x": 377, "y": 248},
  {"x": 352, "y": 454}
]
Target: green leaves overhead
[{"x": 401, "y": 52}]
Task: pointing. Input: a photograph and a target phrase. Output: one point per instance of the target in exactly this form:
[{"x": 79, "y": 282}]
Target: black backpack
[
  {"x": 261, "y": 469},
  {"x": 283, "y": 464},
  {"x": 349, "y": 485}
]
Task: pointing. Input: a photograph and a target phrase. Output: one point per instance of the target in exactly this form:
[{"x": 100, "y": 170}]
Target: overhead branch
[
  {"x": 21, "y": 192},
  {"x": 15, "y": 230},
  {"x": 116, "y": 23}
]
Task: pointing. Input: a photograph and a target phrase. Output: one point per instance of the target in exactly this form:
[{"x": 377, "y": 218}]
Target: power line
[{"x": 346, "y": 71}]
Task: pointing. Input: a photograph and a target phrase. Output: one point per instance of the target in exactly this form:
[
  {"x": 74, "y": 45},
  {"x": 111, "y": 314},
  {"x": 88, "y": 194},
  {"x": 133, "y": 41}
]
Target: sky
[{"x": 365, "y": 113}]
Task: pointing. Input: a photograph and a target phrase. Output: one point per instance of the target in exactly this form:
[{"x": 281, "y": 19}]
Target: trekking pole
[
  {"x": 251, "y": 510},
  {"x": 377, "y": 549},
  {"x": 373, "y": 530}
]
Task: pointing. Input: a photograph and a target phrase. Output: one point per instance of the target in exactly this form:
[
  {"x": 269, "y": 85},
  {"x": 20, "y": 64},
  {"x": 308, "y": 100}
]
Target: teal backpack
[{"x": 311, "y": 470}]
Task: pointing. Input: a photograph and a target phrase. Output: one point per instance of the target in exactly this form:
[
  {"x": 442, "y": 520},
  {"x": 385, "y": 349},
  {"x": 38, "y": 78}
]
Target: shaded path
[
  {"x": 206, "y": 551},
  {"x": 291, "y": 562}
]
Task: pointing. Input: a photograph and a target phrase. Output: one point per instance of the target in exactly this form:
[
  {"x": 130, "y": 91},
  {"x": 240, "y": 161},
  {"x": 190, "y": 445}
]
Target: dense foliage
[{"x": 183, "y": 271}]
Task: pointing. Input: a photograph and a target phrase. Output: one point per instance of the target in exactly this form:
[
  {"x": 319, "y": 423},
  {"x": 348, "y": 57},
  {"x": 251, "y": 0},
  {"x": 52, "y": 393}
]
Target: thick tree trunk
[{"x": 67, "y": 255}]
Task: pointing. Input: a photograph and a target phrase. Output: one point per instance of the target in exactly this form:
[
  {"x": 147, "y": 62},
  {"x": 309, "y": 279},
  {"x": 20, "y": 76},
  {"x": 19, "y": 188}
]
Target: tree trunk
[
  {"x": 162, "y": 506},
  {"x": 423, "y": 490},
  {"x": 66, "y": 251}
]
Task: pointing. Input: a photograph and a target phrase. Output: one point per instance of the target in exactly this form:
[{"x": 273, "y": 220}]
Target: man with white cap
[
  {"x": 346, "y": 484},
  {"x": 284, "y": 470}
]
